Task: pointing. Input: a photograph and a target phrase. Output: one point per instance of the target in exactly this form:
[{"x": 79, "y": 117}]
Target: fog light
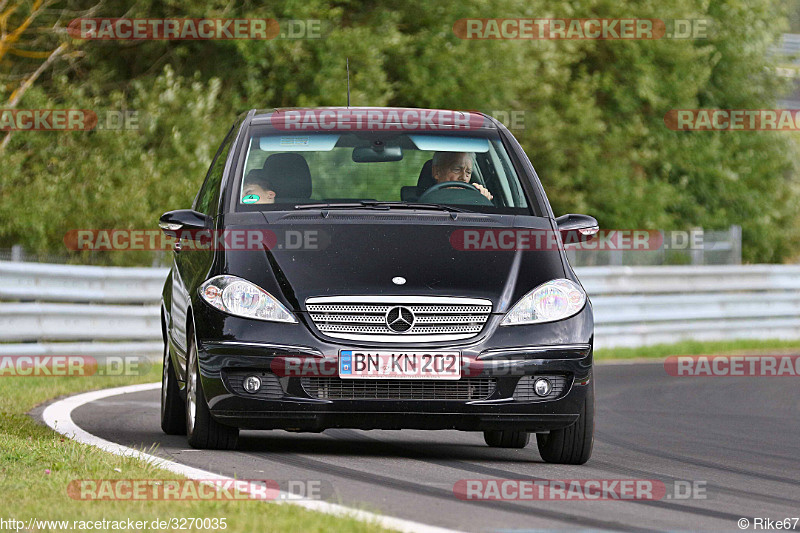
[
  {"x": 252, "y": 384},
  {"x": 542, "y": 387}
]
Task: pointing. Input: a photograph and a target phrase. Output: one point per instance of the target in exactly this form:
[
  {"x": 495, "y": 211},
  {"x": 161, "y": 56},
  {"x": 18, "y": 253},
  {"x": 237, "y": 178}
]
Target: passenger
[{"x": 257, "y": 188}]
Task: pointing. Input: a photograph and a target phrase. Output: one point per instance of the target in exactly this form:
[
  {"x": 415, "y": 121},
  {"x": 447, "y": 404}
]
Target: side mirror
[
  {"x": 575, "y": 229},
  {"x": 176, "y": 223}
]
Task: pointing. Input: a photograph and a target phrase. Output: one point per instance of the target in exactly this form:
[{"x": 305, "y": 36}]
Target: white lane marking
[
  {"x": 59, "y": 417},
  {"x": 631, "y": 361}
]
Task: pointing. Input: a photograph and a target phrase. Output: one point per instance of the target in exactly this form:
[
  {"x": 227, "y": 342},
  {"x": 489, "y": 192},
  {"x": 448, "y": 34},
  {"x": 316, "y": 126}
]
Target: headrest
[
  {"x": 425, "y": 180},
  {"x": 288, "y": 175}
]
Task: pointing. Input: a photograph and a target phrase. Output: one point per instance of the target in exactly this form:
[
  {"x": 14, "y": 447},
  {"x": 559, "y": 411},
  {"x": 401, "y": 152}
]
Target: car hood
[{"x": 364, "y": 255}]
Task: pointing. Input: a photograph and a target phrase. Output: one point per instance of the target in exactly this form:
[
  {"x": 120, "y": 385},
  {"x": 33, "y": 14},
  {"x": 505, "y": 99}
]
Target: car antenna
[{"x": 348, "y": 82}]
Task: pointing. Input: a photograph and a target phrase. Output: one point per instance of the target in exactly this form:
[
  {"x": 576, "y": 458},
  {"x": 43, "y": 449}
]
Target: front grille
[
  {"x": 270, "y": 386},
  {"x": 424, "y": 320},
  {"x": 525, "y": 392},
  {"x": 333, "y": 388}
]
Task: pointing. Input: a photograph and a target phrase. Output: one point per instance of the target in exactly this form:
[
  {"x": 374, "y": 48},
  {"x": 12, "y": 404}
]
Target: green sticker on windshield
[{"x": 251, "y": 199}]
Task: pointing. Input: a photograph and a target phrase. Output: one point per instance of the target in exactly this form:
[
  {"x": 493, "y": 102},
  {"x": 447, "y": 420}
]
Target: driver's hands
[{"x": 484, "y": 191}]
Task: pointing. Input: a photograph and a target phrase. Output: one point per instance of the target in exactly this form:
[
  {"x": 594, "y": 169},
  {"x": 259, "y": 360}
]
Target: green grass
[
  {"x": 699, "y": 348},
  {"x": 37, "y": 464}
]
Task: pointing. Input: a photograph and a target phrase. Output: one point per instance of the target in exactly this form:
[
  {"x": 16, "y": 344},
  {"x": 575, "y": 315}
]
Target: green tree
[{"x": 593, "y": 124}]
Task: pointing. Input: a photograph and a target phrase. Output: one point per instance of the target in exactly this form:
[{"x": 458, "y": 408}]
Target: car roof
[{"x": 445, "y": 118}]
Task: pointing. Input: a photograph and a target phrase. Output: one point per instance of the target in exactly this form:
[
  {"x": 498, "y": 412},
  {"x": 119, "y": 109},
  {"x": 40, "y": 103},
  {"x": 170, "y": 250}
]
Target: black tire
[
  {"x": 507, "y": 439},
  {"x": 202, "y": 431},
  {"x": 173, "y": 411},
  {"x": 571, "y": 445}
]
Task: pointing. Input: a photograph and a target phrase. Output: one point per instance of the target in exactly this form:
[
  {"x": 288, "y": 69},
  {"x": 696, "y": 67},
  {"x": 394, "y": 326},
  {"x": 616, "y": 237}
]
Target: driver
[{"x": 455, "y": 166}]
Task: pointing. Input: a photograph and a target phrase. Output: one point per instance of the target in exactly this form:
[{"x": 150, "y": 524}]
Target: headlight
[
  {"x": 551, "y": 301},
  {"x": 242, "y": 298}
]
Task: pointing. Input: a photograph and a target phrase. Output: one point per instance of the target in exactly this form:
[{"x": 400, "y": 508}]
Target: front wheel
[
  {"x": 202, "y": 430},
  {"x": 571, "y": 445}
]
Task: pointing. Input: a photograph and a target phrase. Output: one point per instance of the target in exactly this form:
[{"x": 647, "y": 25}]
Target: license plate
[{"x": 381, "y": 364}]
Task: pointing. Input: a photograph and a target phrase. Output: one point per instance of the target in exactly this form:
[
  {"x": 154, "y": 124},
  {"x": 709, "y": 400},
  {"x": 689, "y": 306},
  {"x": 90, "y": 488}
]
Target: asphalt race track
[{"x": 738, "y": 438}]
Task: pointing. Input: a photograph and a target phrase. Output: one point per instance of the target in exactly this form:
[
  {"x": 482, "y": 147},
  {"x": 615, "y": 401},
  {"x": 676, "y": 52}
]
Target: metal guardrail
[
  {"x": 85, "y": 310},
  {"x": 638, "y": 306},
  {"x": 48, "y": 309},
  {"x": 44, "y": 282}
]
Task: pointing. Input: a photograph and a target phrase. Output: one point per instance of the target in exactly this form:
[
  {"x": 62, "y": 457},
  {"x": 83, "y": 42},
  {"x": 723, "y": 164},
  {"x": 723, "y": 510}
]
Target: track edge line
[{"x": 58, "y": 416}]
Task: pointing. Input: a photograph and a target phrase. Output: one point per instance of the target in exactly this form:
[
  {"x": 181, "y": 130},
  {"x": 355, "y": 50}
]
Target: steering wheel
[{"x": 449, "y": 184}]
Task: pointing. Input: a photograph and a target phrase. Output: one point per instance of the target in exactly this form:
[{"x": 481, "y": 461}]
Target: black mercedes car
[{"x": 376, "y": 268}]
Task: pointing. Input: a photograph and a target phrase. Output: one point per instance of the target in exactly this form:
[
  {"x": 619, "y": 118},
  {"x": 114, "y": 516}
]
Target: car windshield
[{"x": 369, "y": 169}]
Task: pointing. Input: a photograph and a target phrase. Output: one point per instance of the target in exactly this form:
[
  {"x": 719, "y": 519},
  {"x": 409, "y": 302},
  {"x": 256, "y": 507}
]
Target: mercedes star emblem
[{"x": 399, "y": 319}]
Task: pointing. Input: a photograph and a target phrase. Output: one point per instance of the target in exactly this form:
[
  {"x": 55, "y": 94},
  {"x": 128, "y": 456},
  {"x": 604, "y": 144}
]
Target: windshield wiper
[
  {"x": 340, "y": 205},
  {"x": 419, "y": 205},
  {"x": 372, "y": 204}
]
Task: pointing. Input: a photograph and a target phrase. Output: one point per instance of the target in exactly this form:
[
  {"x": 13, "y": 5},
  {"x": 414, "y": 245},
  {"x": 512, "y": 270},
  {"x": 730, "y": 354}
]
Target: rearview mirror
[
  {"x": 177, "y": 222},
  {"x": 575, "y": 229},
  {"x": 377, "y": 153}
]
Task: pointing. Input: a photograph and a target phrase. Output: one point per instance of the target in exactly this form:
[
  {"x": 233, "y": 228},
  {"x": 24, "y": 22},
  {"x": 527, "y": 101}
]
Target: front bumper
[
  {"x": 503, "y": 354},
  {"x": 295, "y": 408}
]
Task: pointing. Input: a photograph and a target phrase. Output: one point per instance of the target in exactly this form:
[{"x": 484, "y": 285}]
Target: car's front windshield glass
[{"x": 470, "y": 171}]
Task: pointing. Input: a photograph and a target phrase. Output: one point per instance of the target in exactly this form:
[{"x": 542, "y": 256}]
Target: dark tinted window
[{"x": 207, "y": 199}]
